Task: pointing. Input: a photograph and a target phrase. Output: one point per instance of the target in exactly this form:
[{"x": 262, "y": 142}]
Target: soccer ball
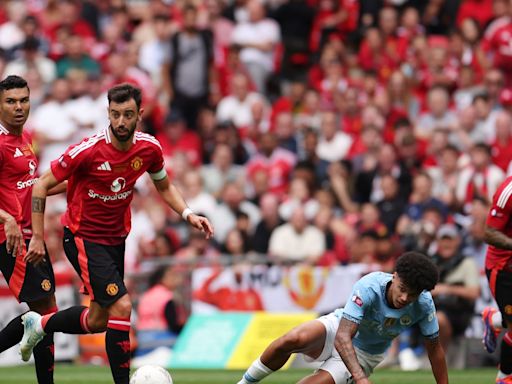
[{"x": 151, "y": 374}]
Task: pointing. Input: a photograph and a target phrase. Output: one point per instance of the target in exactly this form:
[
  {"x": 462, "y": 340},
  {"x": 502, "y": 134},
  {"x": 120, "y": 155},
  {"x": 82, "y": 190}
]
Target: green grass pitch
[{"x": 80, "y": 374}]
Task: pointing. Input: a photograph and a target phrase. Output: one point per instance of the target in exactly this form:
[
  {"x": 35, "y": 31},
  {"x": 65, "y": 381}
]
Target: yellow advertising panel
[{"x": 262, "y": 330}]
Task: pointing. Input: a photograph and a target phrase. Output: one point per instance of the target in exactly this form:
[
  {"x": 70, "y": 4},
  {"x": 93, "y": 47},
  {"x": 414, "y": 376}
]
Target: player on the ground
[
  {"x": 351, "y": 341},
  {"x": 32, "y": 284},
  {"x": 498, "y": 267},
  {"x": 101, "y": 172}
]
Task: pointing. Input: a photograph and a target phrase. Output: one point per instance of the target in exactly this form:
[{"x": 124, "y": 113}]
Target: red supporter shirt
[
  {"x": 500, "y": 218},
  {"x": 18, "y": 165},
  {"x": 498, "y": 40},
  {"x": 100, "y": 184}
]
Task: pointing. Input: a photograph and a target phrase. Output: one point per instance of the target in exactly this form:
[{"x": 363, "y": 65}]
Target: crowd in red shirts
[{"x": 347, "y": 130}]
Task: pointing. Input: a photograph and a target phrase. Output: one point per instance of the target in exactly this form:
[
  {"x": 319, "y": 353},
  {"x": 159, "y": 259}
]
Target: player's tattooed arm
[
  {"x": 497, "y": 238},
  {"x": 38, "y": 204},
  {"x": 437, "y": 359},
  {"x": 343, "y": 344}
]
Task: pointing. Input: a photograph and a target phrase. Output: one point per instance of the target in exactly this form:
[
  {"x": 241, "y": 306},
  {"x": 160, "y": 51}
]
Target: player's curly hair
[
  {"x": 417, "y": 271},
  {"x": 13, "y": 82}
]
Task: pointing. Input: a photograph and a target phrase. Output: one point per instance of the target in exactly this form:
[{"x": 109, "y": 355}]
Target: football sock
[
  {"x": 44, "y": 360},
  {"x": 117, "y": 342},
  {"x": 72, "y": 320},
  {"x": 506, "y": 354},
  {"x": 44, "y": 356},
  {"x": 11, "y": 334},
  {"x": 256, "y": 372}
]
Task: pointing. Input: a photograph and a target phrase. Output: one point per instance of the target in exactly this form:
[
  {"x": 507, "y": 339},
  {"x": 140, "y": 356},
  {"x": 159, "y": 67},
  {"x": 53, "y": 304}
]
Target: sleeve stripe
[
  {"x": 504, "y": 196},
  {"x": 160, "y": 175}
]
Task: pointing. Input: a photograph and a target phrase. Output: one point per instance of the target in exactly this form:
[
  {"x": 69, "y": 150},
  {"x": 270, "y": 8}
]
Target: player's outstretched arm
[
  {"x": 36, "y": 250},
  {"x": 497, "y": 238},
  {"x": 58, "y": 189},
  {"x": 13, "y": 235},
  {"x": 174, "y": 199},
  {"x": 437, "y": 360},
  {"x": 343, "y": 344}
]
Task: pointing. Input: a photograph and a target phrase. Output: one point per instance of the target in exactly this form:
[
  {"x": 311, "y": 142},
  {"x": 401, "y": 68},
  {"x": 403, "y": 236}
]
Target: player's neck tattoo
[{"x": 38, "y": 204}]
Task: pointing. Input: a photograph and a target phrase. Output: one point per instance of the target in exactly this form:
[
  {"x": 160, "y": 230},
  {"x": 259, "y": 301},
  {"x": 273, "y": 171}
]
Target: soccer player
[
  {"x": 351, "y": 341},
  {"x": 101, "y": 172},
  {"x": 498, "y": 267},
  {"x": 34, "y": 285}
]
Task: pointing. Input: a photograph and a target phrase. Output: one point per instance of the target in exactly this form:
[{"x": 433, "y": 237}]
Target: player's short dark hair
[
  {"x": 124, "y": 92},
  {"x": 13, "y": 82},
  {"x": 417, "y": 271}
]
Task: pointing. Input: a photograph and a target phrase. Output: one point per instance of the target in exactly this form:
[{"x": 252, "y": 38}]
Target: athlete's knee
[
  {"x": 295, "y": 339},
  {"x": 121, "y": 308},
  {"x": 97, "y": 321},
  {"x": 44, "y": 306}
]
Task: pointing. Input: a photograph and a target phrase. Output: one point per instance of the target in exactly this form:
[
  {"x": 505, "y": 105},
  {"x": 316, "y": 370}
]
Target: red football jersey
[
  {"x": 18, "y": 165},
  {"x": 500, "y": 218},
  {"x": 100, "y": 184}
]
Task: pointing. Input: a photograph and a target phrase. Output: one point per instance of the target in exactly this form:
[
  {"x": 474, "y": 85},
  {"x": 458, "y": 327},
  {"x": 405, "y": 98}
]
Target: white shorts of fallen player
[{"x": 331, "y": 359}]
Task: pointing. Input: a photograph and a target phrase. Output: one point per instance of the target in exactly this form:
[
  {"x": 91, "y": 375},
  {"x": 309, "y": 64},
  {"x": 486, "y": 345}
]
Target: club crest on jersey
[
  {"x": 112, "y": 289},
  {"x": 46, "y": 285},
  {"x": 118, "y": 184},
  {"x": 405, "y": 320},
  {"x": 32, "y": 166},
  {"x": 356, "y": 299},
  {"x": 136, "y": 163},
  {"x": 508, "y": 309}
]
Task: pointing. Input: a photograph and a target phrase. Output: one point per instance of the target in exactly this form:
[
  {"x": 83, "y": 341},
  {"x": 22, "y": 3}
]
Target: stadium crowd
[{"x": 318, "y": 131}]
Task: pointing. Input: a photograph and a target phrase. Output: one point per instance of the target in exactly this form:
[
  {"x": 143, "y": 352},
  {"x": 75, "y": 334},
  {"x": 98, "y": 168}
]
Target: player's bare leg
[
  {"x": 445, "y": 329},
  {"x": 307, "y": 338},
  {"x": 319, "y": 377}
]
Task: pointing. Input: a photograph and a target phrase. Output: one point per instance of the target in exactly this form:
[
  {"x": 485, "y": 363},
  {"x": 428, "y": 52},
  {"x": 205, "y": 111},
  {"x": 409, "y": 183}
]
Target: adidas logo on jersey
[
  {"x": 104, "y": 167},
  {"x": 18, "y": 153}
]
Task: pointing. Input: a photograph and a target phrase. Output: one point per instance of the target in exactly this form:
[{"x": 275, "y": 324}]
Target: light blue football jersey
[{"x": 378, "y": 323}]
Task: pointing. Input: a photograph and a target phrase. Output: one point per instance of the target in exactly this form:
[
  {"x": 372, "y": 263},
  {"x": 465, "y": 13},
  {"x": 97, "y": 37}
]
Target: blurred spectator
[
  {"x": 486, "y": 117},
  {"x": 76, "y": 58},
  {"x": 299, "y": 195},
  {"x": 257, "y": 37},
  {"x": 232, "y": 200},
  {"x": 236, "y": 107},
  {"x": 276, "y": 162},
  {"x": 444, "y": 175},
  {"x": 269, "y": 221},
  {"x": 420, "y": 235},
  {"x": 54, "y": 135},
  {"x": 333, "y": 145},
  {"x": 236, "y": 244},
  {"x": 392, "y": 204},
  {"x": 458, "y": 287},
  {"x": 221, "y": 170},
  {"x": 11, "y": 32},
  {"x": 480, "y": 178},
  {"x": 295, "y": 18},
  {"x": 176, "y": 138},
  {"x": 367, "y": 184},
  {"x": 154, "y": 52},
  {"x": 286, "y": 132},
  {"x": 500, "y": 147},
  {"x": 160, "y": 311},
  {"x": 197, "y": 252},
  {"x": 297, "y": 241},
  {"x": 438, "y": 115},
  {"x": 197, "y": 198},
  {"x": 32, "y": 58},
  {"x": 186, "y": 75},
  {"x": 421, "y": 198}
]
